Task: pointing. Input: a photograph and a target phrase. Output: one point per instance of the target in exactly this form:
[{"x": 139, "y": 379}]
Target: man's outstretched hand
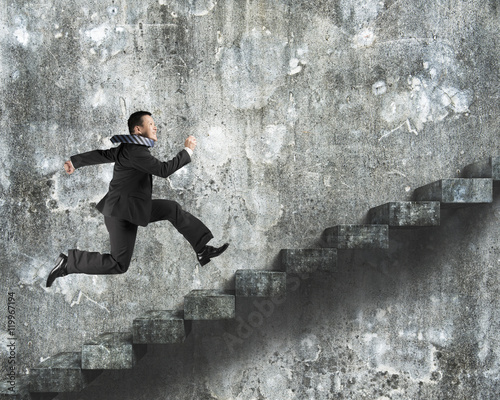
[
  {"x": 68, "y": 167},
  {"x": 190, "y": 142}
]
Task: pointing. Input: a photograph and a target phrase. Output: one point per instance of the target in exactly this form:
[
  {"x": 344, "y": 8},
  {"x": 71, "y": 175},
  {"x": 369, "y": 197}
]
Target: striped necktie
[{"x": 134, "y": 139}]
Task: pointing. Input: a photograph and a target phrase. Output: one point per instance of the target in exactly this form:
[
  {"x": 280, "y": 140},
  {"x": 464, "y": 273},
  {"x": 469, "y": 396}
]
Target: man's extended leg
[{"x": 122, "y": 236}]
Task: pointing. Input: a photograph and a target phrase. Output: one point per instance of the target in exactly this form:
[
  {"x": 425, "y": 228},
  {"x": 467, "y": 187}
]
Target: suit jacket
[{"x": 130, "y": 190}]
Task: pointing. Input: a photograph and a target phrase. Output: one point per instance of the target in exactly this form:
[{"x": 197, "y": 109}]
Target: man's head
[{"x": 141, "y": 123}]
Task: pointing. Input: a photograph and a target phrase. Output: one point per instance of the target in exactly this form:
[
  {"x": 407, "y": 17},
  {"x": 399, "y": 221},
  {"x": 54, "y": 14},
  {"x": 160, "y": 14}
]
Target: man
[{"x": 128, "y": 202}]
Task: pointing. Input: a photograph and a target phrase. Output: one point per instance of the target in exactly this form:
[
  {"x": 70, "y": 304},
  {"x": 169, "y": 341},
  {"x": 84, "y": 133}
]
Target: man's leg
[
  {"x": 122, "y": 236},
  {"x": 195, "y": 232}
]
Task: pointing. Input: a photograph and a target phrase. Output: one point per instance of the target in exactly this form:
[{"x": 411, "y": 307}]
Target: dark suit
[{"x": 128, "y": 204}]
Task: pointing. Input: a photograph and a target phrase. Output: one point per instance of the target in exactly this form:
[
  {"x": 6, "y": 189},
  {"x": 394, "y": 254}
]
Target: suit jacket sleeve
[
  {"x": 94, "y": 157},
  {"x": 145, "y": 162}
]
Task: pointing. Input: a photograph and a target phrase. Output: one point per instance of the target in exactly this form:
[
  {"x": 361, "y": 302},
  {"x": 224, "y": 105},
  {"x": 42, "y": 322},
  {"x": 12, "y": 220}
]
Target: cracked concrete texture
[{"x": 307, "y": 114}]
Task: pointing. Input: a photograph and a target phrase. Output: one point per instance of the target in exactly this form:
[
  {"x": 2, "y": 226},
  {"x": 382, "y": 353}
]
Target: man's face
[{"x": 147, "y": 129}]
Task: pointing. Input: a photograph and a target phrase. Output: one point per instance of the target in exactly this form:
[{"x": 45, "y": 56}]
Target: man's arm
[
  {"x": 143, "y": 161},
  {"x": 90, "y": 158}
]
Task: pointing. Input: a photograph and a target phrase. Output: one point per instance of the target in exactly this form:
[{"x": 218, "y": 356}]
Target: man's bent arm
[{"x": 147, "y": 163}]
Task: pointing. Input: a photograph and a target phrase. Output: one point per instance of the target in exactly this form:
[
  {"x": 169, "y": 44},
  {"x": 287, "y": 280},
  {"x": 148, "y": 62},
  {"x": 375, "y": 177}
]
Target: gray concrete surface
[
  {"x": 457, "y": 191},
  {"x": 406, "y": 214},
  {"x": 161, "y": 327},
  {"x": 251, "y": 283},
  {"x": 112, "y": 350},
  {"x": 61, "y": 373},
  {"x": 489, "y": 168},
  {"x": 350, "y": 236},
  {"x": 209, "y": 304},
  {"x": 307, "y": 114},
  {"x": 299, "y": 261}
]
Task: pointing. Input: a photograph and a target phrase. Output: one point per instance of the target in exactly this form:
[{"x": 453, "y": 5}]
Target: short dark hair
[{"x": 135, "y": 119}]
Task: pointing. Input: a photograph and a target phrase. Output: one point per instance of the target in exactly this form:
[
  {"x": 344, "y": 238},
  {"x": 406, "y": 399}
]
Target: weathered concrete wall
[{"x": 307, "y": 114}]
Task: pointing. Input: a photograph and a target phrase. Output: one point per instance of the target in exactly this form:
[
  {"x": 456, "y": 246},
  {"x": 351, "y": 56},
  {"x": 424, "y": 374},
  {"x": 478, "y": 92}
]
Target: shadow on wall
[{"x": 412, "y": 309}]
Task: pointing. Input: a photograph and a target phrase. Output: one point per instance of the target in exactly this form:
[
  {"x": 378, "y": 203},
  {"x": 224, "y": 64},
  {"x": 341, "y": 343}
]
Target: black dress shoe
[
  {"x": 209, "y": 252},
  {"x": 59, "y": 270}
]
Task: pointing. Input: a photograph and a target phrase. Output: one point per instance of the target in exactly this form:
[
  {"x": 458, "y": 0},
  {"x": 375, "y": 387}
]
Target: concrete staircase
[{"x": 71, "y": 372}]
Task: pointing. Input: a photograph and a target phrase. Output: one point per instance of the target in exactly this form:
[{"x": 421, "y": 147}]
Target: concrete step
[
  {"x": 254, "y": 283},
  {"x": 489, "y": 168},
  {"x": 18, "y": 388},
  {"x": 298, "y": 261},
  {"x": 61, "y": 373},
  {"x": 457, "y": 191},
  {"x": 357, "y": 237},
  {"x": 406, "y": 214},
  {"x": 161, "y": 327},
  {"x": 209, "y": 304},
  {"x": 112, "y": 350}
]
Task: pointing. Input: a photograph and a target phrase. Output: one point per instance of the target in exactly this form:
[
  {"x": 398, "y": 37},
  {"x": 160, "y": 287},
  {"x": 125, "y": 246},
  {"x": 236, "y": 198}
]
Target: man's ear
[{"x": 137, "y": 130}]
